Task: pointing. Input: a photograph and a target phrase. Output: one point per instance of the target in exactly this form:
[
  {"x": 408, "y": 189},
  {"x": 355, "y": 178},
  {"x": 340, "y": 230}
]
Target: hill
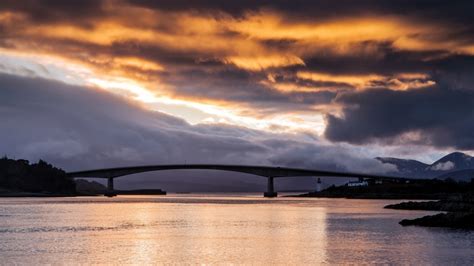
[
  {"x": 89, "y": 187},
  {"x": 457, "y": 165},
  {"x": 40, "y": 177}
]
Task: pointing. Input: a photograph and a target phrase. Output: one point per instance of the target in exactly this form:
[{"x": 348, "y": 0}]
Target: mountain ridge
[{"x": 455, "y": 162}]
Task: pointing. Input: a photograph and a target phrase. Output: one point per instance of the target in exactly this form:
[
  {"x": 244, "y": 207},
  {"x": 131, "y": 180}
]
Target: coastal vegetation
[{"x": 18, "y": 176}]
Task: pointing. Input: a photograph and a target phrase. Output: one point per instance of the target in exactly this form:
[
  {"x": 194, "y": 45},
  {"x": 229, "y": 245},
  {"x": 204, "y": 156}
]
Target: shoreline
[
  {"x": 19, "y": 194},
  {"x": 43, "y": 195},
  {"x": 387, "y": 196},
  {"x": 457, "y": 212}
]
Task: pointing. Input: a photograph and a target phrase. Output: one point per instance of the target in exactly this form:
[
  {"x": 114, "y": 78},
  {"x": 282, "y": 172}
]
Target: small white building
[
  {"x": 360, "y": 183},
  {"x": 318, "y": 185}
]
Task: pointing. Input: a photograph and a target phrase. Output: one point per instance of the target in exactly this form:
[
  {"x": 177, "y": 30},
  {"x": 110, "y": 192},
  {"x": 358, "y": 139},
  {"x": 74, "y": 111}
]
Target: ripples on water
[{"x": 221, "y": 229}]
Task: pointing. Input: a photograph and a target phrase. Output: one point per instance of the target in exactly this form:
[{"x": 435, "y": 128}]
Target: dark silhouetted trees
[{"x": 19, "y": 175}]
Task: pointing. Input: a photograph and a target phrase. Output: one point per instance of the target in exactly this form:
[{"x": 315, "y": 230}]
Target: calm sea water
[{"x": 215, "y": 229}]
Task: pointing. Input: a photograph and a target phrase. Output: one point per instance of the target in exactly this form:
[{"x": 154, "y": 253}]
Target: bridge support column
[
  {"x": 270, "y": 190},
  {"x": 110, "y": 188}
]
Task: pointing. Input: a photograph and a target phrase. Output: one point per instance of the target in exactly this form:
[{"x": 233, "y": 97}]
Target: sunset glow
[
  {"x": 264, "y": 67},
  {"x": 110, "y": 52},
  {"x": 259, "y": 132}
]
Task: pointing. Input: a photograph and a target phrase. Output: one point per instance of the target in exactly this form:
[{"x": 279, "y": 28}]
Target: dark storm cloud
[
  {"x": 434, "y": 116},
  {"x": 46, "y": 11},
  {"x": 456, "y": 11},
  {"x": 386, "y": 60},
  {"x": 78, "y": 128},
  {"x": 441, "y": 116},
  {"x": 452, "y": 10},
  {"x": 454, "y": 72}
]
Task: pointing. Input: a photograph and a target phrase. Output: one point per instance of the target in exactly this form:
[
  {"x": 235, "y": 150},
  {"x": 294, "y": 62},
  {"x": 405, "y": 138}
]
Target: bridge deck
[
  {"x": 265, "y": 171},
  {"x": 270, "y": 172}
]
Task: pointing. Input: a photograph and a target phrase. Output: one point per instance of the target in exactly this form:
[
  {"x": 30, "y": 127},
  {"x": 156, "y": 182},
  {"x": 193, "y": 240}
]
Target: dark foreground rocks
[
  {"x": 452, "y": 219},
  {"x": 460, "y": 212},
  {"x": 442, "y": 205}
]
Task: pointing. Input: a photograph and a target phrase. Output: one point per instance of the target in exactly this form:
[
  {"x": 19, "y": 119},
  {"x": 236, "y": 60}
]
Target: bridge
[{"x": 269, "y": 172}]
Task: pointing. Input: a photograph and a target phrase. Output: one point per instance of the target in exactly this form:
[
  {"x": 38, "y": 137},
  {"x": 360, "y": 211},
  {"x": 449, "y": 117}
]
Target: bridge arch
[{"x": 269, "y": 172}]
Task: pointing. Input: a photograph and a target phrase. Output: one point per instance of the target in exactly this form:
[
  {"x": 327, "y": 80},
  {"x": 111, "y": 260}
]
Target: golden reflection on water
[
  {"x": 219, "y": 230},
  {"x": 148, "y": 233},
  {"x": 226, "y": 233},
  {"x": 143, "y": 240}
]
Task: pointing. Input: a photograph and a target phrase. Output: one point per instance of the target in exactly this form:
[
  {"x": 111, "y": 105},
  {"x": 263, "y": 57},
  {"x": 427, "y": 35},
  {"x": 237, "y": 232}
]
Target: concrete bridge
[{"x": 269, "y": 172}]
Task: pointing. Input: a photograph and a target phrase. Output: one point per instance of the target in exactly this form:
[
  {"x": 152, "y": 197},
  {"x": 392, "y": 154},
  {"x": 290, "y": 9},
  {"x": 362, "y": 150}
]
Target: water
[{"x": 220, "y": 229}]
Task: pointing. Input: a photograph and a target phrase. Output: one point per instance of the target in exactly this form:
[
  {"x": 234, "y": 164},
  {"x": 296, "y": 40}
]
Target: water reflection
[{"x": 248, "y": 230}]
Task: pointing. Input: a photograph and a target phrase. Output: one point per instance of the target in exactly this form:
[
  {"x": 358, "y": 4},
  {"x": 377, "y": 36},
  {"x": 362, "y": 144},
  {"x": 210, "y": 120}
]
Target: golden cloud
[
  {"x": 259, "y": 42},
  {"x": 262, "y": 62},
  {"x": 357, "y": 81},
  {"x": 400, "y": 81}
]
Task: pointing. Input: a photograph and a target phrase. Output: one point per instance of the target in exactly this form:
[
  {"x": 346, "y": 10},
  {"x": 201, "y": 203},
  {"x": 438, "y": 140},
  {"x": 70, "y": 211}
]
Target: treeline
[{"x": 20, "y": 175}]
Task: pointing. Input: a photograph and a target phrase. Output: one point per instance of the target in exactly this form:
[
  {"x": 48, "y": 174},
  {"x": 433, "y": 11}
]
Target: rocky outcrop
[
  {"x": 463, "y": 220},
  {"x": 447, "y": 206},
  {"x": 460, "y": 212}
]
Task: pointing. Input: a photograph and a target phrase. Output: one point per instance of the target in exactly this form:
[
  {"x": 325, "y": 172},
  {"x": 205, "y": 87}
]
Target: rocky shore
[
  {"x": 459, "y": 212},
  {"x": 464, "y": 220}
]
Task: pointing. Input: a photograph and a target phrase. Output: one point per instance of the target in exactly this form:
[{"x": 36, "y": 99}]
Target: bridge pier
[
  {"x": 270, "y": 189},
  {"x": 110, "y": 188}
]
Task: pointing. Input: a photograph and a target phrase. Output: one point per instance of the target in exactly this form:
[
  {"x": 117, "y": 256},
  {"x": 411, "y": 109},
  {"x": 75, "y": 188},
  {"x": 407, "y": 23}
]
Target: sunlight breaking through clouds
[
  {"x": 262, "y": 66},
  {"x": 30, "y": 65}
]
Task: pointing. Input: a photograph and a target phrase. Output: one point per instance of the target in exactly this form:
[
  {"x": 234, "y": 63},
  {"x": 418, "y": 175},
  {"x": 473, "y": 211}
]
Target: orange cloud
[
  {"x": 358, "y": 81},
  {"x": 261, "y": 62},
  {"x": 114, "y": 49},
  {"x": 341, "y": 36},
  {"x": 241, "y": 41},
  {"x": 401, "y": 81}
]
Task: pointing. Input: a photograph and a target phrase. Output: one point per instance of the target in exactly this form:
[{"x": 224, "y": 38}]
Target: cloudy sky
[{"x": 318, "y": 84}]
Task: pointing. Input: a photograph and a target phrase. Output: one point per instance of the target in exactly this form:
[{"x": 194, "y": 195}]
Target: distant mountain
[
  {"x": 455, "y": 160},
  {"x": 456, "y": 165},
  {"x": 405, "y": 166}
]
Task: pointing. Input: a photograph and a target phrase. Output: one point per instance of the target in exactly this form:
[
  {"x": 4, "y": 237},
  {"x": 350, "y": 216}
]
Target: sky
[{"x": 316, "y": 84}]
